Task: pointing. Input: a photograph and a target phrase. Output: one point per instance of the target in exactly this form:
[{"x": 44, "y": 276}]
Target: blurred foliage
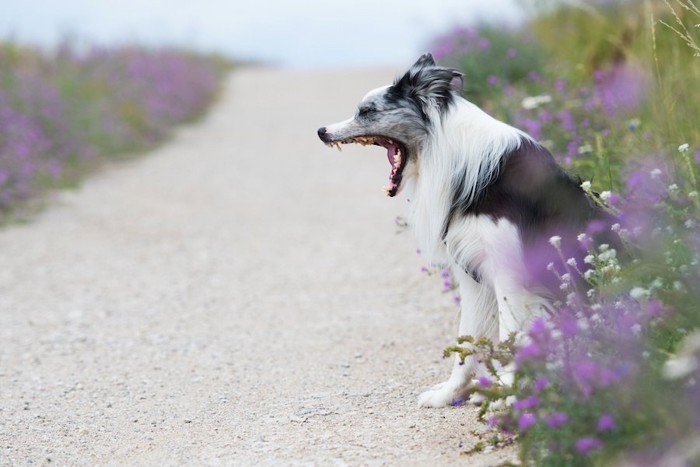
[
  {"x": 491, "y": 58},
  {"x": 610, "y": 87},
  {"x": 63, "y": 112}
]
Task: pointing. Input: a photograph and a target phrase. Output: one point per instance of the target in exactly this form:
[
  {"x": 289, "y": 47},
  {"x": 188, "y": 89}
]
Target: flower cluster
[
  {"x": 61, "y": 113},
  {"x": 612, "y": 374}
]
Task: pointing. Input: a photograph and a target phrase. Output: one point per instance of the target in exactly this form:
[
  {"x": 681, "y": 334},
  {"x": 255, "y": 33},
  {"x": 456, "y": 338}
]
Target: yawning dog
[{"x": 484, "y": 198}]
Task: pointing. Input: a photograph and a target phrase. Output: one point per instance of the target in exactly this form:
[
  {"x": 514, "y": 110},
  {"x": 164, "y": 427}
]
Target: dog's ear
[
  {"x": 429, "y": 83},
  {"x": 424, "y": 60}
]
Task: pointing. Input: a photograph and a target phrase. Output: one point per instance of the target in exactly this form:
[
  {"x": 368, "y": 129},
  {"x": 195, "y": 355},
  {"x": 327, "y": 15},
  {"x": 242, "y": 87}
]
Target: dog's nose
[{"x": 322, "y": 132}]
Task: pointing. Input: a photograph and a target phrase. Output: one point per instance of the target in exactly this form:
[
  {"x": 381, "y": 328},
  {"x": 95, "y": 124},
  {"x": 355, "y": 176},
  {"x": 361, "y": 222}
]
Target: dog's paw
[{"x": 442, "y": 395}]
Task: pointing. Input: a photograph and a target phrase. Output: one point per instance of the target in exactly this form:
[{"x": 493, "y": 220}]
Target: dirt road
[{"x": 238, "y": 297}]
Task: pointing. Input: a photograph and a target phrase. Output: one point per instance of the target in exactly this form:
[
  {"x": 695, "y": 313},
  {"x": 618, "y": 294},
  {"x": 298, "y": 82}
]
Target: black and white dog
[{"x": 484, "y": 198}]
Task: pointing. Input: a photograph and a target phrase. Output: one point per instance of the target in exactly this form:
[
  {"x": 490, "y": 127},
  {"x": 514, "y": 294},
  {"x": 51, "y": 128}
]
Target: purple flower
[
  {"x": 546, "y": 116},
  {"x": 538, "y": 329},
  {"x": 443, "y": 50},
  {"x": 585, "y": 372},
  {"x": 556, "y": 419},
  {"x": 483, "y": 43},
  {"x": 622, "y": 88},
  {"x": 528, "y": 352},
  {"x": 608, "y": 376},
  {"x": 568, "y": 325},
  {"x": 586, "y": 445},
  {"x": 566, "y": 120},
  {"x": 533, "y": 76},
  {"x": 526, "y": 420},
  {"x": 656, "y": 309},
  {"x": 606, "y": 423},
  {"x": 540, "y": 384},
  {"x": 485, "y": 381},
  {"x": 613, "y": 199},
  {"x": 533, "y": 128},
  {"x": 528, "y": 403}
]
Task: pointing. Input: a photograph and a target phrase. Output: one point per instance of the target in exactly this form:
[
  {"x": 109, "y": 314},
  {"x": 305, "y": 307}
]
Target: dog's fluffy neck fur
[{"x": 459, "y": 160}]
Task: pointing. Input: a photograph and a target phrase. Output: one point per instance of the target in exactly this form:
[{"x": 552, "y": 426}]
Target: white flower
[
  {"x": 588, "y": 259},
  {"x": 685, "y": 360},
  {"x": 605, "y": 195},
  {"x": 679, "y": 367},
  {"x": 673, "y": 188},
  {"x": 496, "y": 405},
  {"x": 571, "y": 262},
  {"x": 586, "y": 186},
  {"x": 683, "y": 147},
  {"x": 582, "y": 324},
  {"x": 693, "y": 194},
  {"x": 585, "y": 149},
  {"x": 589, "y": 274},
  {"x": 615, "y": 227},
  {"x": 532, "y": 102},
  {"x": 607, "y": 255},
  {"x": 655, "y": 173},
  {"x": 555, "y": 241},
  {"x": 639, "y": 293},
  {"x": 566, "y": 277}
]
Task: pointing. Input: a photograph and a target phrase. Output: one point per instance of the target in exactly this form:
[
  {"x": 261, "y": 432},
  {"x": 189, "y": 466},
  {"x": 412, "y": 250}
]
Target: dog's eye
[{"x": 366, "y": 110}]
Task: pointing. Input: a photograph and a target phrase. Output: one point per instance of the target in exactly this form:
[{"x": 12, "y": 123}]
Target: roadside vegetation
[
  {"x": 65, "y": 112},
  {"x": 611, "y": 88}
]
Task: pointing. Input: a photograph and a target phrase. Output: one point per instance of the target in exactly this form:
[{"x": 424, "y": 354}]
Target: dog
[{"x": 484, "y": 198}]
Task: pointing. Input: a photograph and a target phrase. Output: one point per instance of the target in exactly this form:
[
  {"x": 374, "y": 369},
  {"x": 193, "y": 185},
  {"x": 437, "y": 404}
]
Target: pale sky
[{"x": 301, "y": 33}]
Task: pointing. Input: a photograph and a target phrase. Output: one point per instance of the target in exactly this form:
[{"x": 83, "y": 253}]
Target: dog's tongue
[{"x": 391, "y": 151}]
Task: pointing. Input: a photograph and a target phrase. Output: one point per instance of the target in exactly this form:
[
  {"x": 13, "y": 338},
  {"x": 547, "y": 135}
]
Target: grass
[
  {"x": 65, "y": 112},
  {"x": 611, "y": 90}
]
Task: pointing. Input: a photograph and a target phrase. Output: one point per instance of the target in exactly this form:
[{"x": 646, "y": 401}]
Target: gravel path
[{"x": 238, "y": 297}]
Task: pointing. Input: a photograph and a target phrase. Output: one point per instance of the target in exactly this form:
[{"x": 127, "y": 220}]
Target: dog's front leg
[{"x": 478, "y": 318}]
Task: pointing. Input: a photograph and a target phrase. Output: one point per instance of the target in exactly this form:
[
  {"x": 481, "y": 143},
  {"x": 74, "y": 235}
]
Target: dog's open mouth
[{"x": 395, "y": 152}]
